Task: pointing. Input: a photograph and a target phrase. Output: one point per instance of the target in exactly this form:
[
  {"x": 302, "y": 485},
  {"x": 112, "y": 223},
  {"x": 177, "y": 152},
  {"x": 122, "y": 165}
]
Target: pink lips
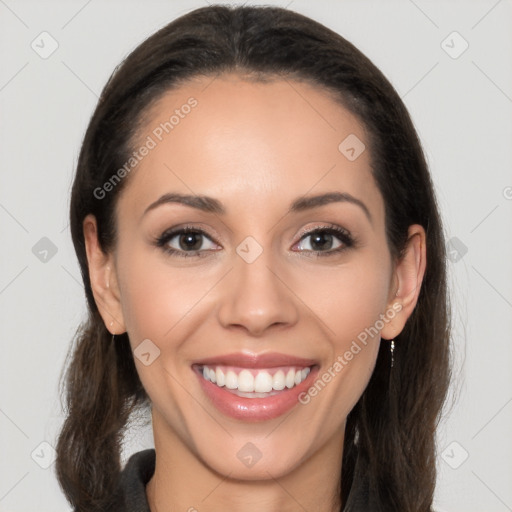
[
  {"x": 248, "y": 360},
  {"x": 255, "y": 409}
]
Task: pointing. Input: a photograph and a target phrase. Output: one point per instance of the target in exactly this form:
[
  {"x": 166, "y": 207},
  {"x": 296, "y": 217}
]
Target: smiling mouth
[{"x": 253, "y": 382}]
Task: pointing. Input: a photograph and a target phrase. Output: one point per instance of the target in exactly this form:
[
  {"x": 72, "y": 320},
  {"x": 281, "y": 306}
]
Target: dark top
[{"x": 140, "y": 468}]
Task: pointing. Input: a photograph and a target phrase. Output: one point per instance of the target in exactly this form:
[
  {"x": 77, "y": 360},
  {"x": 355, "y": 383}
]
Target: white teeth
[
  {"x": 263, "y": 382},
  {"x": 278, "y": 381},
  {"x": 231, "y": 380},
  {"x": 255, "y": 381},
  {"x": 245, "y": 381},
  {"x": 290, "y": 379},
  {"x": 220, "y": 377}
]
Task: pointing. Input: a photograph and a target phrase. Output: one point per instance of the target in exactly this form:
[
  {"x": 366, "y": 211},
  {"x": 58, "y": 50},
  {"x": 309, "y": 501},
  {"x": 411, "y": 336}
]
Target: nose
[{"x": 256, "y": 297}]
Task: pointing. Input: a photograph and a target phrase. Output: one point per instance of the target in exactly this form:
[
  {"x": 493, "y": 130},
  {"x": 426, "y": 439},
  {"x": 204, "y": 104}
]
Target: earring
[{"x": 392, "y": 349}]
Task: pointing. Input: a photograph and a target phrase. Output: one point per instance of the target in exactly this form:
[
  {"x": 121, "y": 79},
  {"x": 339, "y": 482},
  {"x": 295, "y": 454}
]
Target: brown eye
[
  {"x": 190, "y": 241},
  {"x": 320, "y": 241},
  {"x": 326, "y": 240},
  {"x": 186, "y": 242}
]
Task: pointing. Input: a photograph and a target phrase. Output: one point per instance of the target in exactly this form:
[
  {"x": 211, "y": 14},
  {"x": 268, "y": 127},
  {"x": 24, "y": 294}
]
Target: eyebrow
[
  {"x": 212, "y": 205},
  {"x": 305, "y": 203}
]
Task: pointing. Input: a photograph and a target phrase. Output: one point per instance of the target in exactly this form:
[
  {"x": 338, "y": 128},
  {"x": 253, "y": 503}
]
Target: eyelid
[
  {"x": 175, "y": 230},
  {"x": 323, "y": 227}
]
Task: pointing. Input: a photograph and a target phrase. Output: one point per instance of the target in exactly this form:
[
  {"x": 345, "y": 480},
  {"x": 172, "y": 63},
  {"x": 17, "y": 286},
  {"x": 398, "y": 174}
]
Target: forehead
[{"x": 227, "y": 136}]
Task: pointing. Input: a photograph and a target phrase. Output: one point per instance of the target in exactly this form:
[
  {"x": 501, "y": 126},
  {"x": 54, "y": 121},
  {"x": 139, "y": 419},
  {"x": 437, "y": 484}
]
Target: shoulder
[{"x": 131, "y": 494}]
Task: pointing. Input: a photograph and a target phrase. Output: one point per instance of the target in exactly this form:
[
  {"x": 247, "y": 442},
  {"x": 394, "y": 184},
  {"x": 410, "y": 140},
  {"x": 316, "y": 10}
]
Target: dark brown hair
[{"x": 391, "y": 430}]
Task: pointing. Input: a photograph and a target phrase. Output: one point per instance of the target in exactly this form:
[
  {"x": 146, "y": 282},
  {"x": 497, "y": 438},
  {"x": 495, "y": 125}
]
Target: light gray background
[{"x": 462, "y": 109}]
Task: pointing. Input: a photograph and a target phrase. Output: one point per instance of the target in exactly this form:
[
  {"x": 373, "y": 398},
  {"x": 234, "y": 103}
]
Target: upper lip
[{"x": 252, "y": 360}]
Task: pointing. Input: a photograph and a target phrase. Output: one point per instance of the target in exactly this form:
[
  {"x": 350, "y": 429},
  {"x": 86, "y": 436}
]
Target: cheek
[
  {"x": 161, "y": 304},
  {"x": 155, "y": 298},
  {"x": 348, "y": 298}
]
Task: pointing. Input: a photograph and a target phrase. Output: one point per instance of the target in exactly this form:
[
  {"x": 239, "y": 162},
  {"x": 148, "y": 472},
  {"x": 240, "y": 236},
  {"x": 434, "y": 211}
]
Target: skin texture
[{"x": 255, "y": 147}]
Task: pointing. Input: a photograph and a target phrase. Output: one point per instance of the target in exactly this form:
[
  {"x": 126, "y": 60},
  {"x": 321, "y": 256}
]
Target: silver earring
[{"x": 392, "y": 348}]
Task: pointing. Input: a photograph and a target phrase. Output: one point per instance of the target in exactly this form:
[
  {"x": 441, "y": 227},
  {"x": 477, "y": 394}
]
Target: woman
[{"x": 264, "y": 265}]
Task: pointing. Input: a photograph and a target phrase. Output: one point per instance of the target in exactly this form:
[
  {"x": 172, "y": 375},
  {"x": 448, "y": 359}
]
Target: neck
[{"x": 183, "y": 482}]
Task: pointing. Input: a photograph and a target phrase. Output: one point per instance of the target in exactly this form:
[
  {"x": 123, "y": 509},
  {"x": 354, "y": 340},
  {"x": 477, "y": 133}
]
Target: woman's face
[{"x": 285, "y": 270}]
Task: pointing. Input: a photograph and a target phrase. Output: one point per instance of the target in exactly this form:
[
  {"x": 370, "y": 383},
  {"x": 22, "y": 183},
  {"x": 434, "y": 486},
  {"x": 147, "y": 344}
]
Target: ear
[
  {"x": 103, "y": 278},
  {"x": 407, "y": 278}
]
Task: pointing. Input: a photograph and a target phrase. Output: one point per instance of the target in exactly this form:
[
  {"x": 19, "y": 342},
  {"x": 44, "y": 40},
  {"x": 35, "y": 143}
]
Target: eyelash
[{"x": 343, "y": 235}]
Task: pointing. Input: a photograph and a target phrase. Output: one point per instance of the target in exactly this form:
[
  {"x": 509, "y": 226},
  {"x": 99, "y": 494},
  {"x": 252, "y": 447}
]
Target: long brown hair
[{"x": 392, "y": 427}]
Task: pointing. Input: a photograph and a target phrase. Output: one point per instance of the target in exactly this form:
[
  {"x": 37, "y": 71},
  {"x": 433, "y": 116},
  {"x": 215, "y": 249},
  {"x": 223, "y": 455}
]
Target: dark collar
[{"x": 132, "y": 488}]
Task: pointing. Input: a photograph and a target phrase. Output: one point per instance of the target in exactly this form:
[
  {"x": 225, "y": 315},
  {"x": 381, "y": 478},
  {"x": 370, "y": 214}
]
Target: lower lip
[{"x": 255, "y": 409}]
